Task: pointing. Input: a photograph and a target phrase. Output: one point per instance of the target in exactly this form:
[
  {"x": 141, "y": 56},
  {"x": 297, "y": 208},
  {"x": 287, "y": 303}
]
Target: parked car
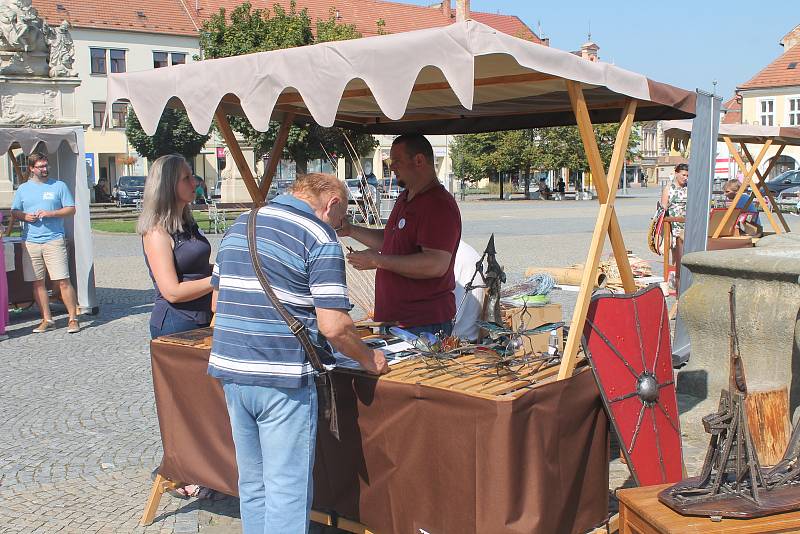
[
  {"x": 129, "y": 189},
  {"x": 783, "y": 181},
  {"x": 789, "y": 197}
]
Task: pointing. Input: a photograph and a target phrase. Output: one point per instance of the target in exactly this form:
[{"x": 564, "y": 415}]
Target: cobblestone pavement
[{"x": 80, "y": 435}]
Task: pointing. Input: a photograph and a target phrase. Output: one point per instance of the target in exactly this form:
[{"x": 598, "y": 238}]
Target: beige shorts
[{"x": 52, "y": 256}]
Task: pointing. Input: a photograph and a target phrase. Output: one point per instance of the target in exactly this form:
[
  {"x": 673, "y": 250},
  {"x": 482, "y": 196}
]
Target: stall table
[
  {"x": 418, "y": 450},
  {"x": 640, "y": 512}
]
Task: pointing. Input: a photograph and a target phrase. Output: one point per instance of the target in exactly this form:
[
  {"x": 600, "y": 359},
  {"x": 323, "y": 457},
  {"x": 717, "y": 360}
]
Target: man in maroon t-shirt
[{"x": 414, "y": 254}]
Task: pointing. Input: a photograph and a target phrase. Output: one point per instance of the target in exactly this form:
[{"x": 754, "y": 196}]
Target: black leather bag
[{"x": 326, "y": 392}]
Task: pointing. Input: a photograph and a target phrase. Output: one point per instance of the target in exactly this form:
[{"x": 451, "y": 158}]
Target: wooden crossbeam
[
  {"x": 238, "y": 156},
  {"x": 599, "y": 177},
  {"x": 762, "y": 182},
  {"x": 275, "y": 154},
  {"x": 603, "y": 223},
  {"x": 748, "y": 180}
]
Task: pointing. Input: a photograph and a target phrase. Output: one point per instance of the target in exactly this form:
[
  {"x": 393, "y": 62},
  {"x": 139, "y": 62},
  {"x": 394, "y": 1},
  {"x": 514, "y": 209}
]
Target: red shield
[{"x": 627, "y": 341}]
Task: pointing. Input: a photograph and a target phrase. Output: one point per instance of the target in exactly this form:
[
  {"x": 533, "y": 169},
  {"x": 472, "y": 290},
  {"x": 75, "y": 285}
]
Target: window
[
  {"x": 160, "y": 59},
  {"x": 165, "y": 59},
  {"x": 766, "y": 112},
  {"x": 98, "y": 110},
  {"x": 98, "y": 60},
  {"x": 119, "y": 113},
  {"x": 117, "y": 60},
  {"x": 793, "y": 105}
]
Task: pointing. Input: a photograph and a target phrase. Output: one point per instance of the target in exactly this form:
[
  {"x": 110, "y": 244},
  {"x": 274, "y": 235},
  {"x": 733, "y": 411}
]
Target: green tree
[
  {"x": 249, "y": 30},
  {"x": 174, "y": 135},
  {"x": 476, "y": 156}
]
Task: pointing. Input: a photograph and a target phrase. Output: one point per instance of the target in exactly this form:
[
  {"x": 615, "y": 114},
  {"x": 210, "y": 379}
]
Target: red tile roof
[
  {"x": 733, "y": 111},
  {"x": 178, "y": 17},
  {"x": 778, "y": 73},
  {"x": 159, "y": 16}
]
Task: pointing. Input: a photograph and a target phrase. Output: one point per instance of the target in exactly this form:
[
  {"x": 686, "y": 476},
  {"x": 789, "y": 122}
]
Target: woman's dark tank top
[{"x": 190, "y": 254}]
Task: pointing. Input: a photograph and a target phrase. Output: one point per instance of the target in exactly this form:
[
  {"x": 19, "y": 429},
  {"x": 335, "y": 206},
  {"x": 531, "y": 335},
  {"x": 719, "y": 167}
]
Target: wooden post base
[{"x": 160, "y": 485}]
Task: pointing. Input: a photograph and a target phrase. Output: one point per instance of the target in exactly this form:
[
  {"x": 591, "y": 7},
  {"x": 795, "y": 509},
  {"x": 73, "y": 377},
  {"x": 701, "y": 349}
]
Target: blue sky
[{"x": 686, "y": 43}]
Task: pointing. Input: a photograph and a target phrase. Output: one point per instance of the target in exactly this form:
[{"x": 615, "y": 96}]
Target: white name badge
[
  {"x": 401, "y": 223},
  {"x": 48, "y": 195}
]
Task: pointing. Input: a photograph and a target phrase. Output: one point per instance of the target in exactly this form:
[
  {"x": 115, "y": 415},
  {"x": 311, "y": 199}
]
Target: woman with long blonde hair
[{"x": 176, "y": 252}]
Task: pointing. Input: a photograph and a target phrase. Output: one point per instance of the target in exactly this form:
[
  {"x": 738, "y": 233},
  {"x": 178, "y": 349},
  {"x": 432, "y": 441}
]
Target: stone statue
[
  {"x": 62, "y": 52},
  {"x": 21, "y": 29},
  {"x": 28, "y": 46}
]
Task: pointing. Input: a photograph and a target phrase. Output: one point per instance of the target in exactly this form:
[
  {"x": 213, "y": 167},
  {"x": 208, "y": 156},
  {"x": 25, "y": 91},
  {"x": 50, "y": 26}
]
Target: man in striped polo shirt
[{"x": 268, "y": 381}]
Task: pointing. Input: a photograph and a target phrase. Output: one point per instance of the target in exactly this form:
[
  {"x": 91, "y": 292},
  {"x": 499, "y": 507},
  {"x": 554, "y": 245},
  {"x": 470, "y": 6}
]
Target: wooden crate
[{"x": 531, "y": 318}]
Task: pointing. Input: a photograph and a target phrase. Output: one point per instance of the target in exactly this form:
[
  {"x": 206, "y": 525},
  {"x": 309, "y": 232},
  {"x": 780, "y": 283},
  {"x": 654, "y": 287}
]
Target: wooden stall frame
[
  {"x": 605, "y": 180},
  {"x": 606, "y": 184},
  {"x": 753, "y": 183},
  {"x": 606, "y": 218}
]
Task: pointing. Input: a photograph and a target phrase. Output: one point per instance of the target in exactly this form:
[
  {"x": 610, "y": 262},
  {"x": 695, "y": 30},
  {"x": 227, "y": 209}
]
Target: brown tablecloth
[{"x": 414, "y": 457}]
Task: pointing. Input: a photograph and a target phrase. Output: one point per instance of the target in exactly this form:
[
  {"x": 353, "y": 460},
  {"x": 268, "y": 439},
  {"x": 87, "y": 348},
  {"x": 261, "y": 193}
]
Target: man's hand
[
  {"x": 377, "y": 364},
  {"x": 41, "y": 214},
  {"x": 31, "y": 217},
  {"x": 364, "y": 260}
]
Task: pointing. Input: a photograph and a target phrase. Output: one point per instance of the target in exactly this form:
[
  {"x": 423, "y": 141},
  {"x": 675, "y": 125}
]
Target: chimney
[
  {"x": 589, "y": 51},
  {"x": 546, "y": 41},
  {"x": 447, "y": 10},
  {"x": 462, "y": 10},
  {"x": 791, "y": 39}
]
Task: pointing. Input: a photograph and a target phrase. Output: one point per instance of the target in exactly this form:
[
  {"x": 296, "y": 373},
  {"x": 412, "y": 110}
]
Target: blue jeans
[
  {"x": 274, "y": 433},
  {"x": 174, "y": 322},
  {"x": 446, "y": 327}
]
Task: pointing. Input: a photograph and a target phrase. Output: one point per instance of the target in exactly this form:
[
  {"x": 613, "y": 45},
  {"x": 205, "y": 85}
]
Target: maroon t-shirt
[{"x": 431, "y": 220}]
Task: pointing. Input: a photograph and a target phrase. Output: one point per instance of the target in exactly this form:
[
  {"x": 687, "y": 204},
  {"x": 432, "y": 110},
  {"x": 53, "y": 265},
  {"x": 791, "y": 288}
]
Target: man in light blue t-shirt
[{"x": 42, "y": 203}]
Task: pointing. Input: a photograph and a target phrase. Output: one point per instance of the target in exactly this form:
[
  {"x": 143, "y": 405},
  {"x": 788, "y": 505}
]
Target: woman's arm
[
  {"x": 158, "y": 249},
  {"x": 664, "y": 197}
]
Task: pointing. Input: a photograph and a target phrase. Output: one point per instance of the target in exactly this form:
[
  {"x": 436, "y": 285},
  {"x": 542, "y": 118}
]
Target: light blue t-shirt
[{"x": 33, "y": 196}]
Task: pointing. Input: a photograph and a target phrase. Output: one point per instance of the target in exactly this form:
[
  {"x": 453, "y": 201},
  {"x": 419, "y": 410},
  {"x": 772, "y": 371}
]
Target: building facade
[
  {"x": 119, "y": 37},
  {"x": 772, "y": 98}
]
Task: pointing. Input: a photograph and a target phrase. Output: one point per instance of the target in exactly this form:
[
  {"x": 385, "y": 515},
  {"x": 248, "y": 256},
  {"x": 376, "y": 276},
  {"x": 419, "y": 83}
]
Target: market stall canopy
[
  {"x": 678, "y": 132},
  {"x": 31, "y": 139},
  {"x": 466, "y": 77}
]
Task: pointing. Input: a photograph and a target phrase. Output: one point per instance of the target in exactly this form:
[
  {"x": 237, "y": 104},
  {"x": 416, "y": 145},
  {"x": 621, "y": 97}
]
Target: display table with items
[{"x": 472, "y": 449}]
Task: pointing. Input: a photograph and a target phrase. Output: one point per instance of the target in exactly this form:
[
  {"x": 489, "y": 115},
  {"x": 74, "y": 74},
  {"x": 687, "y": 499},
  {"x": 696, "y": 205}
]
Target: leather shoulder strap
[{"x": 297, "y": 327}]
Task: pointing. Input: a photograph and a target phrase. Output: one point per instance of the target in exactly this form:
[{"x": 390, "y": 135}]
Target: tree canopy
[
  {"x": 249, "y": 30},
  {"x": 174, "y": 135},
  {"x": 476, "y": 156}
]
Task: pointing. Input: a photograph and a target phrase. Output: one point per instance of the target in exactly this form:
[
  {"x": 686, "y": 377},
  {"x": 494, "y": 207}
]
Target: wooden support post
[
  {"x": 238, "y": 157},
  {"x": 747, "y": 181},
  {"x": 604, "y": 217},
  {"x": 160, "y": 485},
  {"x": 762, "y": 182},
  {"x": 767, "y": 409},
  {"x": 275, "y": 154},
  {"x": 599, "y": 179}
]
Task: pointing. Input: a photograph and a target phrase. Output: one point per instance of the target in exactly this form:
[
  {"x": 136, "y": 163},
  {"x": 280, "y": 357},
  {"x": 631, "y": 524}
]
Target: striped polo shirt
[{"x": 304, "y": 264}]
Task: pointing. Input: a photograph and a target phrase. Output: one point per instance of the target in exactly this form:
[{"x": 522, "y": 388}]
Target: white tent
[{"x": 65, "y": 148}]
